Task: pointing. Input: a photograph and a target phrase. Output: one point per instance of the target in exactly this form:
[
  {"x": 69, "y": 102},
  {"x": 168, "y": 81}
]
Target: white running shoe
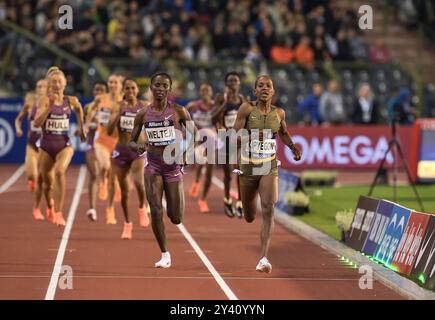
[
  {"x": 264, "y": 265},
  {"x": 92, "y": 214},
  {"x": 165, "y": 261}
]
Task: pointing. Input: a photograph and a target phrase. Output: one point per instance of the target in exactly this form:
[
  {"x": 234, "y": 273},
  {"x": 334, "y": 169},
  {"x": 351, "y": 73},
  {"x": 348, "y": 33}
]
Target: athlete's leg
[
  {"x": 31, "y": 164},
  {"x": 102, "y": 154},
  {"x": 92, "y": 165},
  {"x": 227, "y": 180},
  {"x": 63, "y": 159},
  {"x": 268, "y": 195},
  {"x": 249, "y": 186},
  {"x": 122, "y": 174},
  {"x": 137, "y": 173},
  {"x": 45, "y": 165},
  {"x": 175, "y": 201},
  {"x": 207, "y": 181},
  {"x": 154, "y": 192}
]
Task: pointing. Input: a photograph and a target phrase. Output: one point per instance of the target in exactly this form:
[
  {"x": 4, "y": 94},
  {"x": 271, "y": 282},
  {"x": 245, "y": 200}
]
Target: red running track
[{"x": 106, "y": 267}]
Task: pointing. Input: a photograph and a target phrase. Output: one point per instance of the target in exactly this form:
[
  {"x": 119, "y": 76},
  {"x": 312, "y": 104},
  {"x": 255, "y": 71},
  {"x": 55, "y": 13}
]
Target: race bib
[
  {"x": 127, "y": 123},
  {"x": 104, "y": 116},
  {"x": 160, "y": 133},
  {"x": 202, "y": 119},
  {"x": 57, "y": 126},
  {"x": 230, "y": 120},
  {"x": 33, "y": 128},
  {"x": 261, "y": 150}
]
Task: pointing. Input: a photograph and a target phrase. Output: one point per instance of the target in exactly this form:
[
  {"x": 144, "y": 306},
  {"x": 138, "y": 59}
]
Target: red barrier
[{"x": 347, "y": 147}]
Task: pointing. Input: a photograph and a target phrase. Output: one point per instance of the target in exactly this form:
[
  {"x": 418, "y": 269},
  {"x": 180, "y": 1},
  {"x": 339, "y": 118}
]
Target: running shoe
[
  {"x": 127, "y": 231},
  {"x": 110, "y": 215},
  {"x": 203, "y": 206},
  {"x": 264, "y": 266},
  {"x": 228, "y": 205},
  {"x": 37, "y": 214},
  {"x": 60, "y": 221},
  {"x": 92, "y": 214},
  {"x": 144, "y": 220},
  {"x": 239, "y": 209},
  {"x": 194, "y": 190},
  {"x": 165, "y": 261},
  {"x": 50, "y": 215}
]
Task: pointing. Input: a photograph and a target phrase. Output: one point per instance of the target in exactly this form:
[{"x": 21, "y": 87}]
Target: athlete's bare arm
[
  {"x": 285, "y": 136},
  {"x": 242, "y": 116},
  {"x": 76, "y": 105},
  {"x": 44, "y": 108},
  {"x": 139, "y": 120},
  {"x": 19, "y": 119},
  {"x": 216, "y": 115},
  {"x": 114, "y": 118}
]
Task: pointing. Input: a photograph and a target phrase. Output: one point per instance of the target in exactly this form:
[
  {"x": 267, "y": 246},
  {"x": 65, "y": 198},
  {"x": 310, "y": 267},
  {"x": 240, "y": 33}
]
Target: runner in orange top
[{"x": 104, "y": 144}]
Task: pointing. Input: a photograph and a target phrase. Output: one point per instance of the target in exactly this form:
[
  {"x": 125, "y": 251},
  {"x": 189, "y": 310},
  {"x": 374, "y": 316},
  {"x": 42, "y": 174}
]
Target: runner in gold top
[{"x": 258, "y": 163}]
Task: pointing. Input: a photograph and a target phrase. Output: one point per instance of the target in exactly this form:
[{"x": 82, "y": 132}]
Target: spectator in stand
[
  {"x": 304, "y": 55},
  {"x": 331, "y": 106},
  {"x": 309, "y": 107},
  {"x": 379, "y": 52},
  {"x": 343, "y": 48},
  {"x": 282, "y": 52},
  {"x": 401, "y": 108},
  {"x": 321, "y": 53},
  {"x": 366, "y": 108},
  {"x": 266, "y": 39},
  {"x": 356, "y": 45}
]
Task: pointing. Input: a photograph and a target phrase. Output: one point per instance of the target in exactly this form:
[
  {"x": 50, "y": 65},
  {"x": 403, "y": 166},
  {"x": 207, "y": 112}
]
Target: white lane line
[
  {"x": 51, "y": 291},
  {"x": 17, "y": 174},
  {"x": 225, "y": 288}
]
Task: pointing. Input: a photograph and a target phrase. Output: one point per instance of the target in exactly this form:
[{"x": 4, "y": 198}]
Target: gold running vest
[{"x": 261, "y": 153}]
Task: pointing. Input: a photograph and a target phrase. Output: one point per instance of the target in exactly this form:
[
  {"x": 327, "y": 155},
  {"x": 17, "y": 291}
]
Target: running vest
[
  {"x": 259, "y": 151},
  {"x": 128, "y": 114},
  {"x": 202, "y": 117},
  {"x": 32, "y": 115},
  {"x": 230, "y": 113},
  {"x": 57, "y": 122},
  {"x": 160, "y": 128}
]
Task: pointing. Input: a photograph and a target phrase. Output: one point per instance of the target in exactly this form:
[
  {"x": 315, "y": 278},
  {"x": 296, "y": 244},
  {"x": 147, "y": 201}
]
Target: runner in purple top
[
  {"x": 32, "y": 150},
  {"x": 161, "y": 120},
  {"x": 100, "y": 87},
  {"x": 124, "y": 159},
  {"x": 56, "y": 152}
]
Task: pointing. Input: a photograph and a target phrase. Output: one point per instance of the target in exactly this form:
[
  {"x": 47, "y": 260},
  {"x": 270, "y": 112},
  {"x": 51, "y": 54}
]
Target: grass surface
[{"x": 326, "y": 201}]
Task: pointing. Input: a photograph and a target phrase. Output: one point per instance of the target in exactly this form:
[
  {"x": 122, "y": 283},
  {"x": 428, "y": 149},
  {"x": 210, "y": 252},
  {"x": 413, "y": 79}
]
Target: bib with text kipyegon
[
  {"x": 127, "y": 121},
  {"x": 57, "y": 124},
  {"x": 160, "y": 133},
  {"x": 104, "y": 116},
  {"x": 257, "y": 151}
]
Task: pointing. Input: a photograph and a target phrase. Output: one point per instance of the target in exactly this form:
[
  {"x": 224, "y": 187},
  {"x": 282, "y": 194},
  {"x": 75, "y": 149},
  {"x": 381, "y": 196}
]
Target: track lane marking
[
  {"x": 51, "y": 291},
  {"x": 15, "y": 176}
]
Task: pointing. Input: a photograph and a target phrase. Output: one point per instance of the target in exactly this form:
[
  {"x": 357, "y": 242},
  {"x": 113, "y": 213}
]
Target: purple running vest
[
  {"x": 128, "y": 113},
  {"x": 161, "y": 129},
  {"x": 57, "y": 122}
]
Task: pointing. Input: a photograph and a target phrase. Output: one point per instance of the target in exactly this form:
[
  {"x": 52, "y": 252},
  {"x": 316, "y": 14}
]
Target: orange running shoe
[
  {"x": 110, "y": 215},
  {"x": 60, "y": 221},
  {"x": 194, "y": 190},
  {"x": 144, "y": 220},
  {"x": 50, "y": 215},
  {"x": 127, "y": 231},
  {"x": 31, "y": 185},
  {"x": 203, "y": 206},
  {"x": 37, "y": 214},
  {"x": 102, "y": 190}
]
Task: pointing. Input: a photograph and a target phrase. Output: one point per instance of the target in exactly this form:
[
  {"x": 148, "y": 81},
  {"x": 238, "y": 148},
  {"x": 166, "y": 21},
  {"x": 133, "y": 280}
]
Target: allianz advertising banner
[{"x": 12, "y": 149}]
